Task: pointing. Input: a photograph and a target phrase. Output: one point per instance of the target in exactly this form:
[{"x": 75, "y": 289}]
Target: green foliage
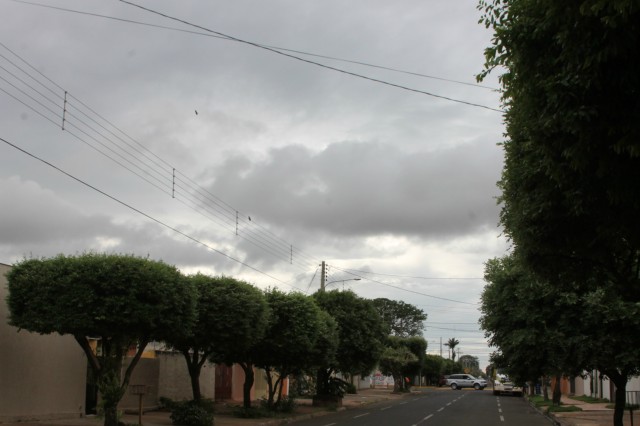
[
  {"x": 401, "y": 358},
  {"x": 290, "y": 339},
  {"x": 532, "y": 322},
  {"x": 231, "y": 317},
  {"x": 360, "y": 330},
  {"x": 399, "y": 318},
  {"x": 123, "y": 301},
  {"x": 451, "y": 344},
  {"x": 192, "y": 413},
  {"x": 570, "y": 194}
]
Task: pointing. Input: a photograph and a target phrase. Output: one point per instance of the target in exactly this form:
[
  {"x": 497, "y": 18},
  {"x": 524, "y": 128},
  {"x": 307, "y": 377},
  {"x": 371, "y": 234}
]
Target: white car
[
  {"x": 506, "y": 386},
  {"x": 459, "y": 381}
]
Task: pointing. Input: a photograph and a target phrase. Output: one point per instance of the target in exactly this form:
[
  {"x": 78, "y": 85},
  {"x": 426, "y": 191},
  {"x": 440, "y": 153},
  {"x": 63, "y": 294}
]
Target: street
[{"x": 437, "y": 407}]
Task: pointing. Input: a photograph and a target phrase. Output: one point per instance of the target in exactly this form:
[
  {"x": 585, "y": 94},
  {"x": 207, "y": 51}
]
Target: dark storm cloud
[{"x": 361, "y": 189}]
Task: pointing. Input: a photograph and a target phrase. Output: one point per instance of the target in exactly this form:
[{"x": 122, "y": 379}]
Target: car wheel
[
  {"x": 454, "y": 386},
  {"x": 477, "y": 386}
]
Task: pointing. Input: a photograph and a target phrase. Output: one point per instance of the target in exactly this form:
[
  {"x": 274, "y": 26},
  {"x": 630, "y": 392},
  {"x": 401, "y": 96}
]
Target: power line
[
  {"x": 366, "y": 64},
  {"x": 104, "y": 137},
  {"x": 312, "y": 62},
  {"x": 148, "y": 216},
  {"x": 90, "y": 128},
  {"x": 404, "y": 289},
  {"x": 415, "y": 277}
]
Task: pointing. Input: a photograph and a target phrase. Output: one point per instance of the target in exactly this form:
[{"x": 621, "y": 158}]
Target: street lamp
[{"x": 342, "y": 281}]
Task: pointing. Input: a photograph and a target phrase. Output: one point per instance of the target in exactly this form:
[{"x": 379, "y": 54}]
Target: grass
[
  {"x": 590, "y": 399},
  {"x": 539, "y": 402}
]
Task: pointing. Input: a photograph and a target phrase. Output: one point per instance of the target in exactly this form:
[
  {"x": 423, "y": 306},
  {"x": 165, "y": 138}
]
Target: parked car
[
  {"x": 505, "y": 385},
  {"x": 459, "y": 381},
  {"x": 443, "y": 380}
]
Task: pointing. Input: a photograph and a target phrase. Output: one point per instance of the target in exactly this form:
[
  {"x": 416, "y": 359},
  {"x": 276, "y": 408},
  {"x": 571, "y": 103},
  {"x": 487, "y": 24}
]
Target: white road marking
[
  {"x": 440, "y": 409},
  {"x": 361, "y": 415},
  {"x": 385, "y": 408},
  {"x": 502, "y": 418}
]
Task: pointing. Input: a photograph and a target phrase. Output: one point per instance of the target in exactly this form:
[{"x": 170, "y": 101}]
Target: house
[{"x": 42, "y": 377}]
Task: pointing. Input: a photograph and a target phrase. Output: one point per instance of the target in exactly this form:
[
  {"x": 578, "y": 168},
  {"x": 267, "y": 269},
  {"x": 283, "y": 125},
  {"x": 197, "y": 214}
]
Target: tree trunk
[
  {"x": 193, "y": 366},
  {"x": 195, "y": 385},
  {"x": 557, "y": 394},
  {"x": 619, "y": 379},
  {"x": 111, "y": 392},
  {"x": 545, "y": 390},
  {"x": 322, "y": 378},
  {"x": 249, "y": 379}
]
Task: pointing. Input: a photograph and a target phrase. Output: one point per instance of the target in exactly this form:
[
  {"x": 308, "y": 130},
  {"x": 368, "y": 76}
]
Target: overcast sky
[{"x": 226, "y": 158}]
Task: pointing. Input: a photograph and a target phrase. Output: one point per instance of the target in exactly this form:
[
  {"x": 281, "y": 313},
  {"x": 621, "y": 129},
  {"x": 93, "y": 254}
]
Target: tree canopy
[
  {"x": 231, "y": 316},
  {"x": 400, "y": 318},
  {"x": 290, "y": 339},
  {"x": 360, "y": 330},
  {"x": 122, "y": 301},
  {"x": 570, "y": 198}
]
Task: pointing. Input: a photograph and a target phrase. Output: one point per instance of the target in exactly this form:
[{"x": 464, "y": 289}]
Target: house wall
[
  {"x": 145, "y": 373},
  {"x": 41, "y": 376},
  {"x": 174, "y": 382}
]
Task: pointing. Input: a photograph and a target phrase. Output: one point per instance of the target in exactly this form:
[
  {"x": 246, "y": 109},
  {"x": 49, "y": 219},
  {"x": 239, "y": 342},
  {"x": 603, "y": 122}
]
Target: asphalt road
[{"x": 438, "y": 407}]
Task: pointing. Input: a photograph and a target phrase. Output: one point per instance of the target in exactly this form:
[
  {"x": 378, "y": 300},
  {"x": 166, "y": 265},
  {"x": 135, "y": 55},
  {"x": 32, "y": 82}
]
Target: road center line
[
  {"x": 440, "y": 409},
  {"x": 502, "y": 418},
  {"x": 386, "y": 408},
  {"x": 361, "y": 415}
]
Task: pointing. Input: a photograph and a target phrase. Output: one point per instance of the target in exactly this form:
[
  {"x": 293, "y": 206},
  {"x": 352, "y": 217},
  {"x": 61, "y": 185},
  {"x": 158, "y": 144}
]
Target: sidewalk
[
  {"x": 224, "y": 413},
  {"x": 592, "y": 414}
]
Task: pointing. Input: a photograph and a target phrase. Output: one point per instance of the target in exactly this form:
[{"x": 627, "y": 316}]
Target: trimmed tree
[
  {"x": 122, "y": 301},
  {"x": 360, "y": 336},
  {"x": 231, "y": 317},
  {"x": 290, "y": 339}
]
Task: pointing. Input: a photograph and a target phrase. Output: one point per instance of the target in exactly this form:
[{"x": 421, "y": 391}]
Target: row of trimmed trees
[
  {"x": 567, "y": 298},
  {"x": 126, "y": 302}
]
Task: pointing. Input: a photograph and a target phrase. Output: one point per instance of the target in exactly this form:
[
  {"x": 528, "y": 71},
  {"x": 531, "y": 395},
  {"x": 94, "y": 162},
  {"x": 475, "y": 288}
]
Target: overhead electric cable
[
  {"x": 102, "y": 135},
  {"x": 333, "y": 58},
  {"x": 404, "y": 289},
  {"x": 414, "y": 277},
  {"x": 148, "y": 216},
  {"x": 399, "y": 86}
]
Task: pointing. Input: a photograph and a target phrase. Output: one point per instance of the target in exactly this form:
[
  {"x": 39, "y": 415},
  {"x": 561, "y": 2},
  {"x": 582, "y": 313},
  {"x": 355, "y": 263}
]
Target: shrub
[{"x": 192, "y": 413}]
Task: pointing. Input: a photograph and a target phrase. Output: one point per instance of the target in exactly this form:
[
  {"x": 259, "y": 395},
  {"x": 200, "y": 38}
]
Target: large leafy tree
[
  {"x": 360, "y": 334},
  {"x": 231, "y": 317},
  {"x": 400, "y": 318},
  {"x": 289, "y": 343},
  {"x": 123, "y": 301},
  {"x": 536, "y": 326},
  {"x": 570, "y": 198}
]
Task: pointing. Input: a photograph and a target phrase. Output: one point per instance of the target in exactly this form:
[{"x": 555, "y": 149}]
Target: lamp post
[{"x": 342, "y": 281}]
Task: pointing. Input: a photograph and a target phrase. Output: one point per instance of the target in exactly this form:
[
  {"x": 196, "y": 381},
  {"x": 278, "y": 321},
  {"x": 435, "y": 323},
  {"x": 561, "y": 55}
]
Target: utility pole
[{"x": 322, "y": 276}]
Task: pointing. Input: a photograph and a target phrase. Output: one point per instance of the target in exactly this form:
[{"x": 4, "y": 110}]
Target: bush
[
  {"x": 192, "y": 413},
  {"x": 285, "y": 405}
]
